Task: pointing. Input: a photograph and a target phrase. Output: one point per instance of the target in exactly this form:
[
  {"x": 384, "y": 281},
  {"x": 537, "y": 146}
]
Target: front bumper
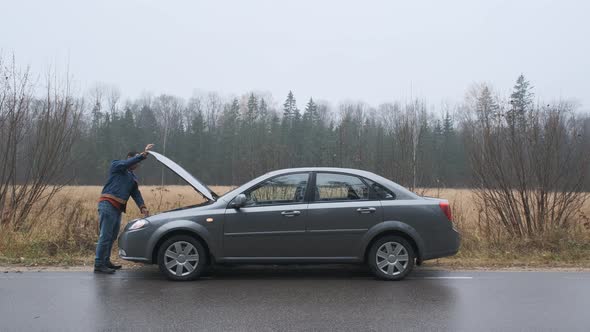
[{"x": 133, "y": 246}]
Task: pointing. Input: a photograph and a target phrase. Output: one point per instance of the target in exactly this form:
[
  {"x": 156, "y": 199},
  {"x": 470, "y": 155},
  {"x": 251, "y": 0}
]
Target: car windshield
[
  {"x": 253, "y": 181},
  {"x": 229, "y": 192}
]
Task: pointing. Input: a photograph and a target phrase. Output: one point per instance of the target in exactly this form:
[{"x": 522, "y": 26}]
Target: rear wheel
[
  {"x": 181, "y": 257},
  {"x": 391, "y": 258}
]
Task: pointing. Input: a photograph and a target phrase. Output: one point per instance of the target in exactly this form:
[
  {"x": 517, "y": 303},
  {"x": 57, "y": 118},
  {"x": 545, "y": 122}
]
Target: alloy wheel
[
  {"x": 392, "y": 258},
  {"x": 181, "y": 258}
]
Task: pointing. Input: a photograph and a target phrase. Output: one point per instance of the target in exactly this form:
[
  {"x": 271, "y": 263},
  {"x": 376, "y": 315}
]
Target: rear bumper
[{"x": 452, "y": 241}]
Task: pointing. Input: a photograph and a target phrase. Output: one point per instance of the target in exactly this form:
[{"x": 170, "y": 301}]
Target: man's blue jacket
[{"x": 122, "y": 183}]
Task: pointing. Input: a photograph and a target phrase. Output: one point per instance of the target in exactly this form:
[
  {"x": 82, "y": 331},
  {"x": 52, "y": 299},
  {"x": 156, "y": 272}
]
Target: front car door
[
  {"x": 272, "y": 224},
  {"x": 340, "y": 213}
]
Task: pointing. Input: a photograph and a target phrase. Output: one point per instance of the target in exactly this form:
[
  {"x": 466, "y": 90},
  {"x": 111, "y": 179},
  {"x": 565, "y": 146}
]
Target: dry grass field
[{"x": 65, "y": 232}]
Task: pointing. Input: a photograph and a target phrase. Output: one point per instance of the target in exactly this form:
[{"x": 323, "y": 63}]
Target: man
[{"x": 121, "y": 184}]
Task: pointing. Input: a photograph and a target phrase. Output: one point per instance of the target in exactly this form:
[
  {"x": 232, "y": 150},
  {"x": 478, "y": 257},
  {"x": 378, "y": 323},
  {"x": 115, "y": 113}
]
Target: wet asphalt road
[{"x": 295, "y": 298}]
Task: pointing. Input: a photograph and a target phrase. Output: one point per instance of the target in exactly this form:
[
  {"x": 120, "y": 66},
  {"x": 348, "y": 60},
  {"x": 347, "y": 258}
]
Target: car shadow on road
[{"x": 285, "y": 272}]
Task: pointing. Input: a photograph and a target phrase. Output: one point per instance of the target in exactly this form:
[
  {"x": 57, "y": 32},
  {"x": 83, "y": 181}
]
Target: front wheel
[
  {"x": 181, "y": 257},
  {"x": 391, "y": 258}
]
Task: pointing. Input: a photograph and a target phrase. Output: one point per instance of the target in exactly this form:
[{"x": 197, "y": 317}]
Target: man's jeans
[{"x": 110, "y": 221}]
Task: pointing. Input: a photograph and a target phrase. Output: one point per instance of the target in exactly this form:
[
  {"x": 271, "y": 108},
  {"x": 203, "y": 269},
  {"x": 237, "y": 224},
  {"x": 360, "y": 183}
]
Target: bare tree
[
  {"x": 114, "y": 95},
  {"x": 194, "y": 106},
  {"x": 169, "y": 113},
  {"x": 213, "y": 108},
  {"x": 405, "y": 124},
  {"x": 529, "y": 175},
  {"x": 36, "y": 136}
]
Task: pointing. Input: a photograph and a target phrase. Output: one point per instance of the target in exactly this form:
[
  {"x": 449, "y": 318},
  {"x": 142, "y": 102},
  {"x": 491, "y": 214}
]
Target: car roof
[
  {"x": 366, "y": 174},
  {"x": 320, "y": 169}
]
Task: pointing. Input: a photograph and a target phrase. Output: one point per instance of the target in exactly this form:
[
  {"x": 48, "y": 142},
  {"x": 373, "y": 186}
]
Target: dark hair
[{"x": 131, "y": 154}]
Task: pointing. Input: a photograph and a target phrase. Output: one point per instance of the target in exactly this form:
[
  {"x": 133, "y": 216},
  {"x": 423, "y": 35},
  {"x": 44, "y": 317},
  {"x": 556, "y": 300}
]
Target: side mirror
[{"x": 239, "y": 201}]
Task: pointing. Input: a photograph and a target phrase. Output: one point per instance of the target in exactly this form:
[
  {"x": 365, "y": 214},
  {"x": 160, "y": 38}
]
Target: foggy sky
[{"x": 374, "y": 51}]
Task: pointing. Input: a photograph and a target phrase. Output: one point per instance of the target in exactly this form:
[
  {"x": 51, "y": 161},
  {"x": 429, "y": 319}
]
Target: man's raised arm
[{"x": 121, "y": 165}]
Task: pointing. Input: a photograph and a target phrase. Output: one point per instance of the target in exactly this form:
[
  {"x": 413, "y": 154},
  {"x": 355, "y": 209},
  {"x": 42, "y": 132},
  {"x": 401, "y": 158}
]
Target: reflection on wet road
[{"x": 295, "y": 298}]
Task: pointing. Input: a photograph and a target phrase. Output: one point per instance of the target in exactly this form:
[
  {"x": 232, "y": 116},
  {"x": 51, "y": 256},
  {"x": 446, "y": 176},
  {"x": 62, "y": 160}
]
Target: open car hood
[{"x": 174, "y": 167}]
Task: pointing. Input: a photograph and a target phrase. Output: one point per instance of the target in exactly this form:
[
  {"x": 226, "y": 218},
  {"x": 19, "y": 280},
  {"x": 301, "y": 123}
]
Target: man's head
[{"x": 132, "y": 154}]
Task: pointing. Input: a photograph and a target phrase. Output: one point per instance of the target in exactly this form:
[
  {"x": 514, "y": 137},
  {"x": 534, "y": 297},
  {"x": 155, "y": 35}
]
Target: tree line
[
  {"x": 528, "y": 160},
  {"x": 227, "y": 142}
]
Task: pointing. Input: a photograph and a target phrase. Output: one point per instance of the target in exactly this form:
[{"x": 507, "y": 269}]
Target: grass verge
[{"x": 65, "y": 233}]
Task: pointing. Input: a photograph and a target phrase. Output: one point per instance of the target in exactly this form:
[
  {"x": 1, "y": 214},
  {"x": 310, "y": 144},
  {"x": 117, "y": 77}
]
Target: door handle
[
  {"x": 289, "y": 214},
  {"x": 366, "y": 210}
]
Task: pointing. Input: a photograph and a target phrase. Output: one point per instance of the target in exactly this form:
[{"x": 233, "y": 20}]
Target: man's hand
[
  {"x": 147, "y": 148},
  {"x": 145, "y": 212}
]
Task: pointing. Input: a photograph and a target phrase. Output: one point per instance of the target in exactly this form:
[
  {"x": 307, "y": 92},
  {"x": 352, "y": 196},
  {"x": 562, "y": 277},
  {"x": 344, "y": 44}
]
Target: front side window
[
  {"x": 339, "y": 187},
  {"x": 285, "y": 189}
]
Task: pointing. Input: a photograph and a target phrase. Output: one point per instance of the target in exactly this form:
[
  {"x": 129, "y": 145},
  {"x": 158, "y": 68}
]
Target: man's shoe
[
  {"x": 103, "y": 269},
  {"x": 113, "y": 266}
]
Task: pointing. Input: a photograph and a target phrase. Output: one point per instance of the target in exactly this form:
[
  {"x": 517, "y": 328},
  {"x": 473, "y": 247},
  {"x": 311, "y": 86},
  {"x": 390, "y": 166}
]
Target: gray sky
[{"x": 373, "y": 51}]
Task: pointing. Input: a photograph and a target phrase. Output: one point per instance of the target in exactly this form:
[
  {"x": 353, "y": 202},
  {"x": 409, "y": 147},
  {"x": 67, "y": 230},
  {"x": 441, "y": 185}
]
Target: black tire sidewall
[
  {"x": 198, "y": 269},
  {"x": 373, "y": 252}
]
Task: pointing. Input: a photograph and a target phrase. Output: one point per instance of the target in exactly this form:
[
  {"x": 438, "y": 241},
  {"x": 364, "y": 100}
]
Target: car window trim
[
  {"x": 310, "y": 193},
  {"x": 269, "y": 205}
]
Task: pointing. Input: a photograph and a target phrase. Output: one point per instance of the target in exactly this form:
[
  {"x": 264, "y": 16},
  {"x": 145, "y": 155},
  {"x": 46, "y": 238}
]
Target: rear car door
[
  {"x": 272, "y": 224},
  {"x": 339, "y": 214}
]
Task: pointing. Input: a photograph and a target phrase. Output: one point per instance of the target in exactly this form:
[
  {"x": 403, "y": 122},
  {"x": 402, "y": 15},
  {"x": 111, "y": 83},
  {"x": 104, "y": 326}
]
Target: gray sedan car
[{"x": 296, "y": 216}]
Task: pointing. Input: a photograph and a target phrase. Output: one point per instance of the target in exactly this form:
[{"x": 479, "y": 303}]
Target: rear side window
[
  {"x": 378, "y": 192},
  {"x": 339, "y": 187}
]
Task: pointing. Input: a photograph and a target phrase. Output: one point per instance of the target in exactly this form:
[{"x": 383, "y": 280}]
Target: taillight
[{"x": 446, "y": 209}]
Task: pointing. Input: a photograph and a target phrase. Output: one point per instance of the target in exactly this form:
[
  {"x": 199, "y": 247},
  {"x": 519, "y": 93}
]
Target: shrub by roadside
[{"x": 65, "y": 233}]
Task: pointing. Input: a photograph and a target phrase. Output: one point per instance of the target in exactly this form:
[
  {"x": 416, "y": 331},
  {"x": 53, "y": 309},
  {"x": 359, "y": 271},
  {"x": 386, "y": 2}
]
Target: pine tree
[
  {"x": 447, "y": 152},
  {"x": 262, "y": 136},
  {"x": 252, "y": 111},
  {"x": 230, "y": 141},
  {"x": 290, "y": 110},
  {"x": 311, "y": 112},
  {"x": 310, "y": 132},
  {"x": 96, "y": 117},
  {"x": 275, "y": 142},
  {"x": 448, "y": 125},
  {"x": 248, "y": 136},
  {"x": 487, "y": 106},
  {"x": 198, "y": 144},
  {"x": 127, "y": 128},
  {"x": 263, "y": 109},
  {"x": 292, "y": 132},
  {"x": 521, "y": 100}
]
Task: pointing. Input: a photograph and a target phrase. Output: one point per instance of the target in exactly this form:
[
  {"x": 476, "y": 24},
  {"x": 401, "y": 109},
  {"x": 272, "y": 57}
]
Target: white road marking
[{"x": 458, "y": 278}]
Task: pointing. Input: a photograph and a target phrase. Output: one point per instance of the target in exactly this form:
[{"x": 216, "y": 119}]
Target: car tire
[
  {"x": 391, "y": 258},
  {"x": 182, "y": 258}
]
